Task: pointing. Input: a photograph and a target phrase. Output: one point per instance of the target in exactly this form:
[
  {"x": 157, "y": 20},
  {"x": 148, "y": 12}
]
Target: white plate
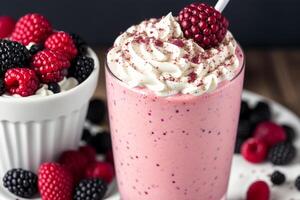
[{"x": 244, "y": 173}]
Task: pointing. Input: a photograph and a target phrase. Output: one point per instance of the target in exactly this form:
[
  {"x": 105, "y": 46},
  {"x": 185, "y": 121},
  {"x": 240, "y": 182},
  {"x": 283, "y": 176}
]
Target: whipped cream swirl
[{"x": 155, "y": 55}]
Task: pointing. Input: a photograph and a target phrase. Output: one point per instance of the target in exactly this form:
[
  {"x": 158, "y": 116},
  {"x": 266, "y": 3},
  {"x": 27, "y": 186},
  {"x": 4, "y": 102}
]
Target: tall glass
[{"x": 173, "y": 148}]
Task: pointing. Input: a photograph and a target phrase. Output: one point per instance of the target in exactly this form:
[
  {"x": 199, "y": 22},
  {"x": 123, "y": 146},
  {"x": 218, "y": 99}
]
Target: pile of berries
[
  {"x": 33, "y": 54},
  {"x": 259, "y": 139}
]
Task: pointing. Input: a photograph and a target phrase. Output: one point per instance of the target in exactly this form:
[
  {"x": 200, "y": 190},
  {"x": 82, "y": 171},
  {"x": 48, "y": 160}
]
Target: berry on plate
[
  {"x": 245, "y": 110},
  {"x": 50, "y": 66},
  {"x": 204, "y": 24},
  {"x": 258, "y": 190},
  {"x": 289, "y": 132},
  {"x": 96, "y": 111},
  {"x": 21, "y": 81},
  {"x": 101, "y": 142},
  {"x": 13, "y": 54},
  {"x": 55, "y": 182},
  {"x": 254, "y": 150},
  {"x": 260, "y": 113},
  {"x": 101, "y": 170},
  {"x": 109, "y": 157},
  {"x": 270, "y": 133},
  {"x": 90, "y": 189},
  {"x": 81, "y": 68},
  {"x": 32, "y": 27},
  {"x": 277, "y": 178},
  {"x": 282, "y": 153},
  {"x": 297, "y": 183},
  {"x": 63, "y": 42},
  {"x": 20, "y": 182},
  {"x": 244, "y": 129},
  {"x": 89, "y": 152},
  {"x": 7, "y": 25}
]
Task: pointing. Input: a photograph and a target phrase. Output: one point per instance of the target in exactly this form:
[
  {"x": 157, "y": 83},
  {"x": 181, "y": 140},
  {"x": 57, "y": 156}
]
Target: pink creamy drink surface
[{"x": 178, "y": 147}]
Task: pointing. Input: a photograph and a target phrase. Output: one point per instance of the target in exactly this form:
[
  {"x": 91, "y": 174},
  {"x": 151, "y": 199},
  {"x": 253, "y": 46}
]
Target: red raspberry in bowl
[
  {"x": 63, "y": 42},
  {"x": 204, "y": 24},
  {"x": 7, "y": 25},
  {"x": 270, "y": 133},
  {"x": 21, "y": 81},
  {"x": 254, "y": 150},
  {"x": 32, "y": 27},
  {"x": 50, "y": 66}
]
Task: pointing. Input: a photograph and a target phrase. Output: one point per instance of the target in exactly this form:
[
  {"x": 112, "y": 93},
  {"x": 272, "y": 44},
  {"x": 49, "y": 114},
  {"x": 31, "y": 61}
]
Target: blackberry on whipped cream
[{"x": 155, "y": 54}]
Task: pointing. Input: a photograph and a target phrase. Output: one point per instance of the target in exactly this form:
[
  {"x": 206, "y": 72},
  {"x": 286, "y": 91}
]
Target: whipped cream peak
[{"x": 155, "y": 55}]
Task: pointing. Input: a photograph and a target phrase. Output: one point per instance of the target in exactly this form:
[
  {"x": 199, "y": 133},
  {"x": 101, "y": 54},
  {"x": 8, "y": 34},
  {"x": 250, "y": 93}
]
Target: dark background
[{"x": 263, "y": 23}]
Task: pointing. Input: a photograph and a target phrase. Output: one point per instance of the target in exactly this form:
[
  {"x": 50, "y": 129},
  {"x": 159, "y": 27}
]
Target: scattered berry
[
  {"x": 289, "y": 132},
  {"x": 90, "y": 189},
  {"x": 277, "y": 178},
  {"x": 54, "y": 87},
  {"x": 2, "y": 87},
  {"x": 7, "y": 25},
  {"x": 21, "y": 81},
  {"x": 254, "y": 150},
  {"x": 35, "y": 48},
  {"x": 282, "y": 153},
  {"x": 80, "y": 44},
  {"x": 244, "y": 129},
  {"x": 63, "y": 42},
  {"x": 20, "y": 182},
  {"x": 245, "y": 110},
  {"x": 204, "y": 24},
  {"x": 31, "y": 28},
  {"x": 238, "y": 144},
  {"x": 260, "y": 113},
  {"x": 101, "y": 170},
  {"x": 86, "y": 135},
  {"x": 75, "y": 162},
  {"x": 50, "y": 66},
  {"x": 13, "y": 54},
  {"x": 96, "y": 111},
  {"x": 270, "y": 133},
  {"x": 297, "y": 183},
  {"x": 55, "y": 182},
  {"x": 81, "y": 68},
  {"x": 258, "y": 190},
  {"x": 101, "y": 142},
  {"x": 89, "y": 152}
]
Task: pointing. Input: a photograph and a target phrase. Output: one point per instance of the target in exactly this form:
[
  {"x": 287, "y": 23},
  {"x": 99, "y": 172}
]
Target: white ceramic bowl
[{"x": 36, "y": 130}]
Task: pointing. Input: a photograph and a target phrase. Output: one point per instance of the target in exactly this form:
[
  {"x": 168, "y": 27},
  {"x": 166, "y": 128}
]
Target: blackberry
[
  {"x": 54, "y": 87},
  {"x": 277, "y": 178},
  {"x": 96, "y": 112},
  {"x": 238, "y": 145},
  {"x": 80, "y": 44},
  {"x": 245, "y": 110},
  {"x": 21, "y": 182},
  {"x": 35, "y": 48},
  {"x": 101, "y": 142},
  {"x": 13, "y": 54},
  {"x": 86, "y": 135},
  {"x": 289, "y": 132},
  {"x": 297, "y": 183},
  {"x": 81, "y": 68},
  {"x": 2, "y": 86},
  {"x": 282, "y": 153},
  {"x": 90, "y": 189},
  {"x": 261, "y": 112},
  {"x": 244, "y": 129}
]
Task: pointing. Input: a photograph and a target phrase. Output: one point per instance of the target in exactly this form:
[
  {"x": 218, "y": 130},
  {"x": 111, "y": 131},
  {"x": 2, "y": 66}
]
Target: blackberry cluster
[
  {"x": 80, "y": 44},
  {"x": 35, "y": 48},
  {"x": 282, "y": 153},
  {"x": 2, "y": 87},
  {"x": 101, "y": 142},
  {"x": 21, "y": 182},
  {"x": 81, "y": 68},
  {"x": 13, "y": 54},
  {"x": 277, "y": 178},
  {"x": 91, "y": 189}
]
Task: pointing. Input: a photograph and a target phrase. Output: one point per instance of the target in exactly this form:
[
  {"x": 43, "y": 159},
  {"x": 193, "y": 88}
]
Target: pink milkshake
[{"x": 173, "y": 110}]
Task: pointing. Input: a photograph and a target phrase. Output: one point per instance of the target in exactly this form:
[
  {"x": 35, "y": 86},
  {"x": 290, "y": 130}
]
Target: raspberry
[
  {"x": 90, "y": 189},
  {"x": 254, "y": 150},
  {"x": 31, "y": 28},
  {"x": 74, "y": 161},
  {"x": 297, "y": 183},
  {"x": 258, "y": 190},
  {"x": 54, "y": 87},
  {"x": 109, "y": 157},
  {"x": 204, "y": 24},
  {"x": 55, "y": 182},
  {"x": 89, "y": 152},
  {"x": 270, "y": 133},
  {"x": 2, "y": 87},
  {"x": 51, "y": 66},
  {"x": 21, "y": 182},
  {"x": 63, "y": 42},
  {"x": 80, "y": 44},
  {"x": 277, "y": 178},
  {"x": 21, "y": 81},
  {"x": 282, "y": 154},
  {"x": 7, "y": 25},
  {"x": 13, "y": 54},
  {"x": 81, "y": 68},
  {"x": 102, "y": 170}
]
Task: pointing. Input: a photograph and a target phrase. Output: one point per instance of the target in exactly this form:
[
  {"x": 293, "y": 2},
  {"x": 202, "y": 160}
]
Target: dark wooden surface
[{"x": 272, "y": 73}]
